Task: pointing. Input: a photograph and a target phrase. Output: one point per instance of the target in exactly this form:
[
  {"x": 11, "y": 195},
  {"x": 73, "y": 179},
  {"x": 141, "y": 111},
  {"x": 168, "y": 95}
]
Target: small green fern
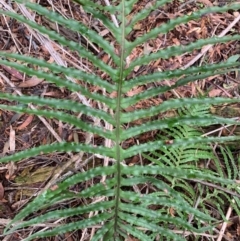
[
  {"x": 197, "y": 156},
  {"x": 124, "y": 212}
]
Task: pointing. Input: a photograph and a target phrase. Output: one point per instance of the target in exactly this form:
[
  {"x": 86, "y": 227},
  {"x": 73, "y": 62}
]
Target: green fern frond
[
  {"x": 173, "y": 161},
  {"x": 193, "y": 154}
]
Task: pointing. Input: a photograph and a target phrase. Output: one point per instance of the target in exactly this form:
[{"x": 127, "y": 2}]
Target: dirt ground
[{"x": 19, "y": 182}]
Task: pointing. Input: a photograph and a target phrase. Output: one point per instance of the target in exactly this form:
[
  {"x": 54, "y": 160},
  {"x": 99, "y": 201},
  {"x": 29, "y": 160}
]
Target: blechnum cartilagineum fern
[{"x": 123, "y": 210}]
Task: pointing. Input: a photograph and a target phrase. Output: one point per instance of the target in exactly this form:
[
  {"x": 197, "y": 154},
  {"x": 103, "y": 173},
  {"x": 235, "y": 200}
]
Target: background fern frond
[{"x": 192, "y": 157}]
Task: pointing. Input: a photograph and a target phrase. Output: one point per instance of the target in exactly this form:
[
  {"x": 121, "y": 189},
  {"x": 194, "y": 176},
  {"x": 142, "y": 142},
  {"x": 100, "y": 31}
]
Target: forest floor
[{"x": 21, "y": 181}]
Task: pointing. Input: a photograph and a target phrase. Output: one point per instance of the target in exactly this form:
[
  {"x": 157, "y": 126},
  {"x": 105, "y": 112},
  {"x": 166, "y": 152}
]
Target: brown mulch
[{"x": 21, "y": 132}]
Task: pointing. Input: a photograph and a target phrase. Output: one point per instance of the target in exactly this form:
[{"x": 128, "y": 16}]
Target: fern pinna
[{"x": 117, "y": 206}]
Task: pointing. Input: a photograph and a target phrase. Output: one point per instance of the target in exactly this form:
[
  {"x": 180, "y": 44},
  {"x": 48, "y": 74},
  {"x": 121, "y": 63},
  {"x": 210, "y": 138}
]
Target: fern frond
[
  {"x": 54, "y": 68},
  {"x": 159, "y": 76},
  {"x": 63, "y": 117},
  {"x": 64, "y": 105},
  {"x": 176, "y": 157},
  {"x": 170, "y": 122},
  {"x": 61, "y": 147},
  {"x": 172, "y": 161},
  {"x": 59, "y": 82},
  {"x": 173, "y": 104}
]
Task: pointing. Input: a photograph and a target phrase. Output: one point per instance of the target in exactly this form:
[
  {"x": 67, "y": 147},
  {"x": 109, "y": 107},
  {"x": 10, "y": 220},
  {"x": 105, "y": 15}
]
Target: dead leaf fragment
[
  {"x": 11, "y": 170},
  {"x": 134, "y": 91},
  {"x": 25, "y": 123},
  {"x": 13, "y": 72},
  {"x": 238, "y": 230},
  {"x": 5, "y": 148},
  {"x": 54, "y": 187},
  {"x": 16, "y": 117},
  {"x": 172, "y": 211},
  {"x": 12, "y": 139},
  {"x": 68, "y": 237},
  {"x": 113, "y": 94},
  {"x": 34, "y": 81},
  {"x": 1, "y": 191},
  {"x": 214, "y": 92}
]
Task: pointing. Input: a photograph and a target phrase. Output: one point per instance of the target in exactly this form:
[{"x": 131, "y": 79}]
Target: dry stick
[
  {"x": 12, "y": 36},
  {"x": 216, "y": 186},
  {"x": 207, "y": 47},
  {"x": 223, "y": 228},
  {"x": 114, "y": 19},
  {"x": 219, "y": 129}
]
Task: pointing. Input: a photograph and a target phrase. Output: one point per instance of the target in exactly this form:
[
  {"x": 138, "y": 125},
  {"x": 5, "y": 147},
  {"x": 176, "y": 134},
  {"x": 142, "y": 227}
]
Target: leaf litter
[{"x": 26, "y": 131}]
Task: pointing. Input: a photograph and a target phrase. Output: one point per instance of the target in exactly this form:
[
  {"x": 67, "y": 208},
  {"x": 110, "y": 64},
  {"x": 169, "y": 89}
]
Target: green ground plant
[{"x": 171, "y": 164}]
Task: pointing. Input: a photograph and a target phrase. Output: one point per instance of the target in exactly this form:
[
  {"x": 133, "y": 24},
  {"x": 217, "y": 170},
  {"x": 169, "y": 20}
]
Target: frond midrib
[{"x": 118, "y": 122}]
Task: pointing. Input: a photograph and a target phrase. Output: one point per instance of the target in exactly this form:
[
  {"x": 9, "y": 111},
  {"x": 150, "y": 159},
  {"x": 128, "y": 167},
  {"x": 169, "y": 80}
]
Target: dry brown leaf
[
  {"x": 134, "y": 160},
  {"x": 2, "y": 82},
  {"x": 238, "y": 230},
  {"x": 19, "y": 203},
  {"x": 1, "y": 191},
  {"x": 113, "y": 94},
  {"x": 214, "y": 92},
  {"x": 176, "y": 41},
  {"x": 131, "y": 239},
  {"x": 16, "y": 117},
  {"x": 53, "y": 188},
  {"x": 229, "y": 236},
  {"x": 11, "y": 167},
  {"x": 105, "y": 58},
  {"x": 204, "y": 27},
  {"x": 25, "y": 123},
  {"x": 236, "y": 14},
  {"x": 147, "y": 49},
  {"x": 31, "y": 82},
  {"x": 51, "y": 93},
  {"x": 12, "y": 139},
  {"x": 196, "y": 29},
  {"x": 172, "y": 211},
  {"x": 134, "y": 91},
  {"x": 212, "y": 77},
  {"x": 5, "y": 148},
  {"x": 104, "y": 32},
  {"x": 68, "y": 237},
  {"x": 13, "y": 72}
]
